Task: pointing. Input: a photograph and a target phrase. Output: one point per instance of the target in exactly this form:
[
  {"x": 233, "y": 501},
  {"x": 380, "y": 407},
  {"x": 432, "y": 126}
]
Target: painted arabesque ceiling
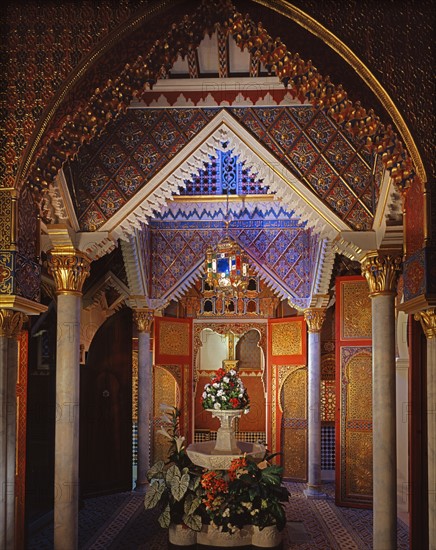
[{"x": 148, "y": 179}]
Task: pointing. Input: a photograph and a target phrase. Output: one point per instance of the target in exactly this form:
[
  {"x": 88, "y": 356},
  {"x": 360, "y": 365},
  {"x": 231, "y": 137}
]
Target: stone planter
[
  {"x": 213, "y": 537},
  {"x": 268, "y": 537},
  {"x": 180, "y": 535}
]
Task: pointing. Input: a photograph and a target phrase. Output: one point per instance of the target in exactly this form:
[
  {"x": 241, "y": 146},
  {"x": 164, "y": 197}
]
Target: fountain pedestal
[{"x": 225, "y": 437}]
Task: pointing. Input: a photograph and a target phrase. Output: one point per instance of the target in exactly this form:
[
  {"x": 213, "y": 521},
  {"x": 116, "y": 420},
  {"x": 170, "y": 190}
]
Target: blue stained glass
[{"x": 223, "y": 266}]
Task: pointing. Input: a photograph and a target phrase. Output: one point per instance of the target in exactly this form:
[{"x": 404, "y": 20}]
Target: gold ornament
[
  {"x": 428, "y": 322},
  {"x": 11, "y": 323},
  {"x": 69, "y": 270},
  {"x": 381, "y": 272},
  {"x": 314, "y": 318},
  {"x": 143, "y": 319}
]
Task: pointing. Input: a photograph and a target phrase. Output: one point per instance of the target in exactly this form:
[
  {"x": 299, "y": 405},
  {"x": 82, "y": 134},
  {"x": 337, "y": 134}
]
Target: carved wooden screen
[
  {"x": 173, "y": 350},
  {"x": 287, "y": 386},
  {"x": 354, "y": 393},
  {"x": 166, "y": 391}
]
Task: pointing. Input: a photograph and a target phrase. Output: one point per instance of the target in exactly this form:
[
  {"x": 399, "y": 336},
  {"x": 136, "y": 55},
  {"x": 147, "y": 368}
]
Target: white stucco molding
[
  {"x": 224, "y": 133},
  {"x": 94, "y": 244},
  {"x": 322, "y": 273}
]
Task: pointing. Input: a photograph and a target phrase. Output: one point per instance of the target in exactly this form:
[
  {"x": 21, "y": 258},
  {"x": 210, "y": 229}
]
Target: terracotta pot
[{"x": 180, "y": 535}]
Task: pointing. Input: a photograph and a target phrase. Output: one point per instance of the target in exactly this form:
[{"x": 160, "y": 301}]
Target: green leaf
[
  {"x": 156, "y": 471},
  {"x": 165, "y": 518},
  {"x": 191, "y": 504},
  {"x": 172, "y": 472},
  {"x": 193, "y": 521},
  {"x": 153, "y": 494},
  {"x": 179, "y": 486}
]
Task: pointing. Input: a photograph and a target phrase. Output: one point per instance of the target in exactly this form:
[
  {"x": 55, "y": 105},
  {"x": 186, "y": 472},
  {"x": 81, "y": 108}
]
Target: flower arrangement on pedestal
[{"x": 226, "y": 391}]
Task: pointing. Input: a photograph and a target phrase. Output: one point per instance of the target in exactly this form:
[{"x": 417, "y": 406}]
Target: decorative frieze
[{"x": 381, "y": 272}]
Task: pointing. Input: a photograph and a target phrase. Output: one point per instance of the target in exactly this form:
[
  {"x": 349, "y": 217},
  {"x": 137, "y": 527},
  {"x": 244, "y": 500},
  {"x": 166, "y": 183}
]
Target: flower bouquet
[{"x": 226, "y": 391}]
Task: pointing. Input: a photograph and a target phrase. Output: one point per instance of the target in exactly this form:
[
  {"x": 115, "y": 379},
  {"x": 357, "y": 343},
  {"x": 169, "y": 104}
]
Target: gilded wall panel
[
  {"x": 5, "y": 219},
  {"x": 165, "y": 391},
  {"x": 359, "y": 385},
  {"x": 286, "y": 339},
  {"x": 294, "y": 453},
  {"x": 356, "y": 311},
  {"x": 359, "y": 463},
  {"x": 174, "y": 338},
  {"x": 293, "y": 401}
]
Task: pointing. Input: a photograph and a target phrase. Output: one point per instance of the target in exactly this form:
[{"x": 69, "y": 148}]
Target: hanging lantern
[{"x": 226, "y": 267}]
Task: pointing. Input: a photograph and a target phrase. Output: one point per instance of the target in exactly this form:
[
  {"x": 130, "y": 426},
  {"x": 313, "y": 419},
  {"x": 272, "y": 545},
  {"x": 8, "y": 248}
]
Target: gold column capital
[
  {"x": 314, "y": 317},
  {"x": 428, "y": 322},
  {"x": 69, "y": 268},
  {"x": 143, "y": 319},
  {"x": 11, "y": 322},
  {"x": 381, "y": 272}
]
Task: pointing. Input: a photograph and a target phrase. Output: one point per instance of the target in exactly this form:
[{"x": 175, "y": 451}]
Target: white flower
[
  {"x": 217, "y": 406},
  {"x": 212, "y": 397},
  {"x": 220, "y": 392},
  {"x": 224, "y": 398},
  {"x": 226, "y": 379},
  {"x": 204, "y": 395},
  {"x": 232, "y": 372},
  {"x": 216, "y": 385},
  {"x": 246, "y": 411}
]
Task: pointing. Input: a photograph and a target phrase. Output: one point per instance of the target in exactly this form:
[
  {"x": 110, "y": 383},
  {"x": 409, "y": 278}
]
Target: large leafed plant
[{"x": 175, "y": 484}]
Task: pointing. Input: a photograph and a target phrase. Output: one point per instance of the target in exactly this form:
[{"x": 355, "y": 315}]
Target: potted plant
[
  {"x": 175, "y": 486},
  {"x": 249, "y": 494}
]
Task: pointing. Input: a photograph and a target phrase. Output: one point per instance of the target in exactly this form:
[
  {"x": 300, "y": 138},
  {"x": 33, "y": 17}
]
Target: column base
[
  {"x": 314, "y": 492},
  {"x": 141, "y": 486}
]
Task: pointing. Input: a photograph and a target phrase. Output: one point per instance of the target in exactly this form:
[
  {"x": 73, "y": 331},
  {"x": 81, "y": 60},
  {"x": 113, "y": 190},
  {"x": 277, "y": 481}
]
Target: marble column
[
  {"x": 143, "y": 319},
  {"x": 381, "y": 273},
  {"x": 69, "y": 268},
  {"x": 10, "y": 326},
  {"x": 428, "y": 323},
  {"x": 314, "y": 318}
]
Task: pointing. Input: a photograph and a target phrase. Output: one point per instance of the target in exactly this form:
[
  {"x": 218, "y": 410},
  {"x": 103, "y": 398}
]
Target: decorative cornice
[
  {"x": 314, "y": 318},
  {"x": 69, "y": 268},
  {"x": 428, "y": 322},
  {"x": 18, "y": 303},
  {"x": 322, "y": 273},
  {"x": 143, "y": 319},
  {"x": 11, "y": 323},
  {"x": 381, "y": 272}
]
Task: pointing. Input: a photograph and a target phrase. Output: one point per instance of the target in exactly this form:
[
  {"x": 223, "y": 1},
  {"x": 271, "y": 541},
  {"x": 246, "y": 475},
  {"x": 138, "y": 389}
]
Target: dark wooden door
[{"x": 106, "y": 409}]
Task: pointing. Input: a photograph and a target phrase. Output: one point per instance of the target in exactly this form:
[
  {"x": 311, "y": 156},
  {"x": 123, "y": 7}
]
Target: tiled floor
[{"x": 120, "y": 522}]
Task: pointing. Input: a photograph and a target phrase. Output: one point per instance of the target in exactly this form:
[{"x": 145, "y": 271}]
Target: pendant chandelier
[{"x": 226, "y": 265}]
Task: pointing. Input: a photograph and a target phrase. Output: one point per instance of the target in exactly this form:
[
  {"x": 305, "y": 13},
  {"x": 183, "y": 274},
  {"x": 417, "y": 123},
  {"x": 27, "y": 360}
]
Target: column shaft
[
  {"x": 431, "y": 431},
  {"x": 314, "y": 416},
  {"x": 11, "y": 440},
  {"x": 3, "y": 436},
  {"x": 67, "y": 423},
  {"x": 384, "y": 423},
  {"x": 145, "y": 395}
]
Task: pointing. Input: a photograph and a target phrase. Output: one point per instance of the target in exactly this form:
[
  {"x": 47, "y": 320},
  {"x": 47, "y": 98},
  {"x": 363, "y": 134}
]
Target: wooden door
[{"x": 106, "y": 409}]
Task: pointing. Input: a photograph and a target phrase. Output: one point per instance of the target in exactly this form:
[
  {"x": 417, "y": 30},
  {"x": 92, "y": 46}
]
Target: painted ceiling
[{"x": 187, "y": 208}]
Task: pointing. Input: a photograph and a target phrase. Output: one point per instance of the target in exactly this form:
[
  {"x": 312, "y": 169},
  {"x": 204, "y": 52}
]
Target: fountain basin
[{"x": 204, "y": 454}]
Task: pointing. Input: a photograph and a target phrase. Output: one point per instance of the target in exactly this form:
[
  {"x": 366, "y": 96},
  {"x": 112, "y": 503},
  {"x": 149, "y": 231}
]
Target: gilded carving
[
  {"x": 428, "y": 322},
  {"x": 356, "y": 318},
  {"x": 314, "y": 318},
  {"x": 6, "y": 218},
  {"x": 164, "y": 392},
  {"x": 286, "y": 339},
  {"x": 293, "y": 400},
  {"x": 359, "y": 387},
  {"x": 381, "y": 272},
  {"x": 143, "y": 319},
  {"x": 294, "y": 453},
  {"x": 174, "y": 339},
  {"x": 69, "y": 270},
  {"x": 11, "y": 323},
  {"x": 359, "y": 463}
]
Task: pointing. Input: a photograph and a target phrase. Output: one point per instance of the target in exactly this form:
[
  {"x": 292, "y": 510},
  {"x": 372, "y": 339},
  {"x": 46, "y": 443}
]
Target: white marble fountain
[{"x": 218, "y": 455}]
